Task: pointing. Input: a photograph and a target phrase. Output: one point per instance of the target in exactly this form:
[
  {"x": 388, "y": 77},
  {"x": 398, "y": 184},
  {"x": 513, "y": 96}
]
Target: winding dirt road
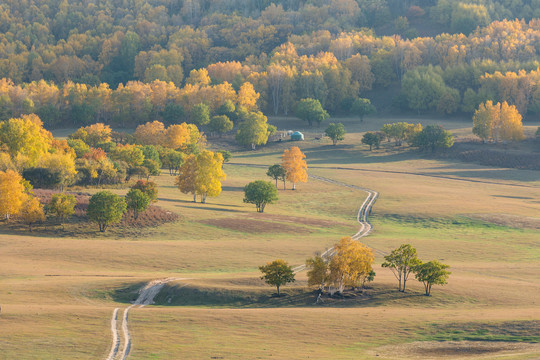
[
  {"x": 362, "y": 217},
  {"x": 149, "y": 292}
]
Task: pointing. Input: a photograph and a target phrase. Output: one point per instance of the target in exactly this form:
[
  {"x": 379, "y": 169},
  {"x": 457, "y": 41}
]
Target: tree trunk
[
  {"x": 194, "y": 198},
  {"x": 276, "y": 183},
  {"x": 293, "y": 186},
  {"x": 277, "y": 290},
  {"x": 284, "y": 185}
]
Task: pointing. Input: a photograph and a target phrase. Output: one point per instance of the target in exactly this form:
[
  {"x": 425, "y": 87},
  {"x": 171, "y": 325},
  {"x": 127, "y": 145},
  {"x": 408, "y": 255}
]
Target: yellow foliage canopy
[
  {"x": 12, "y": 193},
  {"x": 351, "y": 263},
  {"x": 295, "y": 165}
]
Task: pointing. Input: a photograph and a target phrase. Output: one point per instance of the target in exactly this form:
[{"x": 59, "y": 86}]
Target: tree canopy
[
  {"x": 260, "y": 193},
  {"x": 336, "y": 132},
  {"x": 105, "y": 208},
  {"x": 295, "y": 166},
  {"x": 277, "y": 273}
]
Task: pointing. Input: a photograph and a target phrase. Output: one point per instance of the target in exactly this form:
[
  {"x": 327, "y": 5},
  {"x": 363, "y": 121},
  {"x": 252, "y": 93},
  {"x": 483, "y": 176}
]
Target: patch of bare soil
[
  {"x": 251, "y": 226},
  {"x": 521, "y": 222},
  {"x": 427, "y": 350}
]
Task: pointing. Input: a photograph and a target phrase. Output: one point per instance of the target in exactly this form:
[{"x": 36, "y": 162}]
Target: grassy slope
[{"x": 494, "y": 267}]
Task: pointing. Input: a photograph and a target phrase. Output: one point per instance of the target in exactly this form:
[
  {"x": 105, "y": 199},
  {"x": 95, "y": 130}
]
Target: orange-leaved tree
[
  {"x": 295, "y": 165},
  {"x": 12, "y": 193}
]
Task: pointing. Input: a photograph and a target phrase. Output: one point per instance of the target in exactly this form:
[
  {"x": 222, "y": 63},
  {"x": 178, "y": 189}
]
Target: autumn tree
[
  {"x": 31, "y": 212},
  {"x": 277, "y": 272},
  {"x": 149, "y": 188},
  {"x": 150, "y": 133},
  {"x": 497, "y": 122},
  {"x": 137, "y": 201},
  {"x": 25, "y": 137},
  {"x": 93, "y": 135},
  {"x": 351, "y": 264},
  {"x": 362, "y": 107},
  {"x": 260, "y": 193},
  {"x": 201, "y": 174},
  {"x": 210, "y": 174},
  {"x": 336, "y": 132},
  {"x": 318, "y": 272},
  {"x": 12, "y": 193},
  {"x": 61, "y": 206},
  {"x": 105, "y": 208},
  {"x": 295, "y": 166},
  {"x": 371, "y": 139},
  {"x": 247, "y": 96},
  {"x": 311, "y": 110},
  {"x": 277, "y": 172},
  {"x": 402, "y": 261},
  {"x": 432, "y": 273}
]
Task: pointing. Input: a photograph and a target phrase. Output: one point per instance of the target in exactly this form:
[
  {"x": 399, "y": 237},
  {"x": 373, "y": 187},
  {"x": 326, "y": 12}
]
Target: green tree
[
  {"x": 137, "y": 201},
  {"x": 371, "y": 139},
  {"x": 253, "y": 131},
  {"x": 402, "y": 261},
  {"x": 433, "y": 137},
  {"x": 336, "y": 132},
  {"x": 200, "y": 114},
  {"x": 62, "y": 206},
  {"x": 362, "y": 107},
  {"x": 277, "y": 172},
  {"x": 220, "y": 124},
  {"x": 311, "y": 110},
  {"x": 106, "y": 208},
  {"x": 260, "y": 193},
  {"x": 432, "y": 273},
  {"x": 277, "y": 273}
]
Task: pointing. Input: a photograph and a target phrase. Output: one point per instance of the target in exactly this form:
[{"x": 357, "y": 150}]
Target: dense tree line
[{"x": 130, "y": 62}]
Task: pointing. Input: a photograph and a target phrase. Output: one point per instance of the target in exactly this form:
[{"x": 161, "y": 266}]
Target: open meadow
[{"x": 58, "y": 291}]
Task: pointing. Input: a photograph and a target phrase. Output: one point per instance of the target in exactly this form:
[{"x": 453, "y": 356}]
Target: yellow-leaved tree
[
  {"x": 177, "y": 136},
  {"x": 25, "y": 137},
  {"x": 151, "y": 133},
  {"x": 201, "y": 175},
  {"x": 351, "y": 264},
  {"x": 12, "y": 193},
  {"x": 247, "y": 96},
  {"x": 93, "y": 135},
  {"x": 497, "y": 122},
  {"x": 31, "y": 212},
  {"x": 210, "y": 174},
  {"x": 295, "y": 166},
  {"x": 187, "y": 175}
]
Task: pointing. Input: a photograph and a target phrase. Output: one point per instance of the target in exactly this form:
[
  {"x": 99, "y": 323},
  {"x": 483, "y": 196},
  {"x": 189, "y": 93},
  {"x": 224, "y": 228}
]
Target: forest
[{"x": 124, "y": 63}]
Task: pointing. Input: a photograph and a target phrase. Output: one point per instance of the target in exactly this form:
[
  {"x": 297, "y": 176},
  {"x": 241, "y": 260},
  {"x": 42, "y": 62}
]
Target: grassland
[{"x": 57, "y": 293}]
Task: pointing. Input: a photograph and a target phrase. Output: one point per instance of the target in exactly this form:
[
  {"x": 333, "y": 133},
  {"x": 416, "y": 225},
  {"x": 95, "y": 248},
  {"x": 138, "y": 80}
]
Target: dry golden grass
[{"x": 57, "y": 294}]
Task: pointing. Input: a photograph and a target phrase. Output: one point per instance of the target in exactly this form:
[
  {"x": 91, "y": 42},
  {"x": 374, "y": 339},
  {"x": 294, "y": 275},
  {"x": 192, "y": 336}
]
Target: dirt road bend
[{"x": 146, "y": 297}]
